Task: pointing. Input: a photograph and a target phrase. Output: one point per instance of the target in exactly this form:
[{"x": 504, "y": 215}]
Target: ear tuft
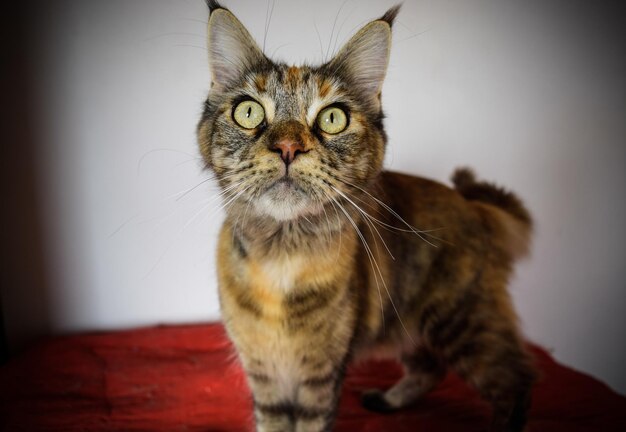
[
  {"x": 390, "y": 16},
  {"x": 213, "y": 5}
]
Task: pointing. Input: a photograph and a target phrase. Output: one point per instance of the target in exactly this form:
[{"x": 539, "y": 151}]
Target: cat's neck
[{"x": 311, "y": 234}]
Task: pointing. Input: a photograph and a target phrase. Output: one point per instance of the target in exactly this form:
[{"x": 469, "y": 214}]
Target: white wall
[{"x": 530, "y": 93}]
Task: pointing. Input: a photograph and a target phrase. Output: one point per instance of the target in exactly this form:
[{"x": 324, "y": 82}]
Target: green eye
[
  {"x": 249, "y": 114},
  {"x": 332, "y": 120}
]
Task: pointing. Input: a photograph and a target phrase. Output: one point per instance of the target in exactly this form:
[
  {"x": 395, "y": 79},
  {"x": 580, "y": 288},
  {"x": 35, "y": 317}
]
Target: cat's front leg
[
  {"x": 273, "y": 398},
  {"x": 318, "y": 396},
  {"x": 299, "y": 394}
]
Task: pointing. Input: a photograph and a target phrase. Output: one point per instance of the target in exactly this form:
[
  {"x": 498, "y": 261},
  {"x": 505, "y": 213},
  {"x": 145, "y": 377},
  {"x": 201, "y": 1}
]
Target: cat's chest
[{"x": 281, "y": 274}]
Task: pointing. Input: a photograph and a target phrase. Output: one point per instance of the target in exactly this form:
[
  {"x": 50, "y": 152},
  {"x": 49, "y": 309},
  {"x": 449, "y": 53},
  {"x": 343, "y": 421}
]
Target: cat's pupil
[
  {"x": 332, "y": 117},
  {"x": 249, "y": 111}
]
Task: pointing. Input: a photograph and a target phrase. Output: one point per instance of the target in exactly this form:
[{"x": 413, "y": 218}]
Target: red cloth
[{"x": 187, "y": 379}]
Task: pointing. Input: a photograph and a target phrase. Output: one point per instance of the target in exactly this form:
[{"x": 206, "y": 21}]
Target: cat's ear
[
  {"x": 364, "y": 58},
  {"x": 232, "y": 51}
]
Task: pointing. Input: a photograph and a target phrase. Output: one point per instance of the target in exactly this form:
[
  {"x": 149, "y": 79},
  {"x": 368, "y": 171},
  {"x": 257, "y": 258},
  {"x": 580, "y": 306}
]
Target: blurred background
[{"x": 108, "y": 220}]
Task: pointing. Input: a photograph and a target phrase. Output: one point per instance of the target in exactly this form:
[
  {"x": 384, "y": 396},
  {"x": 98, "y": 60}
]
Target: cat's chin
[{"x": 285, "y": 201}]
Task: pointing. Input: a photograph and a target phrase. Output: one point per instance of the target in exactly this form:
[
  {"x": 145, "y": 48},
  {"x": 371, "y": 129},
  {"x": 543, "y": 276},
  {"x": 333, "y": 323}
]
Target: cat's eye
[
  {"x": 249, "y": 114},
  {"x": 332, "y": 120}
]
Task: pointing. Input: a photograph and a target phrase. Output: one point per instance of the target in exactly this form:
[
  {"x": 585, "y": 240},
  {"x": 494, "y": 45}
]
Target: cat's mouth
[
  {"x": 285, "y": 185},
  {"x": 285, "y": 199}
]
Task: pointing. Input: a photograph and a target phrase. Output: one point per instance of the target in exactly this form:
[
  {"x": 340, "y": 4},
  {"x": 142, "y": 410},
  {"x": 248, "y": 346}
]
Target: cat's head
[{"x": 287, "y": 140}]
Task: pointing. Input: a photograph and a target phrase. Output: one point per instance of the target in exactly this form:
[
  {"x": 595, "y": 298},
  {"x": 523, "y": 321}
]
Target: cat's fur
[{"x": 320, "y": 260}]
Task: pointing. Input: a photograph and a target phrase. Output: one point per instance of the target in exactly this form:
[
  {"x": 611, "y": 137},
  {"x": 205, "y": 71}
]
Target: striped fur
[{"x": 320, "y": 261}]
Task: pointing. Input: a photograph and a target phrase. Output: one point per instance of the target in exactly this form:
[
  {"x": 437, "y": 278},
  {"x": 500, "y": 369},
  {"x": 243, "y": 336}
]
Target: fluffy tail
[{"x": 509, "y": 210}]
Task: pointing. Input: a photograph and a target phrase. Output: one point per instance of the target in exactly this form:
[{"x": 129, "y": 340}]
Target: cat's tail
[{"x": 503, "y": 205}]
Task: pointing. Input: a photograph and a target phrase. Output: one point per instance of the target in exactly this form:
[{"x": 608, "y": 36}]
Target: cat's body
[{"x": 319, "y": 258}]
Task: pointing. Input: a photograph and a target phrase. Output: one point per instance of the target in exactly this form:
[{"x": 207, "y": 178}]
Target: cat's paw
[{"x": 374, "y": 400}]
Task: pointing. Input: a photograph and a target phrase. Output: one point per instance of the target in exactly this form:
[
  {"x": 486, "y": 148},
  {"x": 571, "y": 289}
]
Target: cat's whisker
[
  {"x": 189, "y": 46},
  {"x": 196, "y": 159},
  {"x": 123, "y": 224},
  {"x": 369, "y": 253},
  {"x": 330, "y": 40},
  {"x": 195, "y": 20},
  {"x": 245, "y": 213},
  {"x": 319, "y": 38},
  {"x": 229, "y": 203},
  {"x": 323, "y": 203},
  {"x": 150, "y": 152},
  {"x": 308, "y": 220},
  {"x": 217, "y": 197},
  {"x": 279, "y": 47},
  {"x": 389, "y": 227},
  {"x": 413, "y": 35},
  {"x": 164, "y": 35},
  {"x": 177, "y": 235},
  {"x": 329, "y": 231},
  {"x": 383, "y": 282},
  {"x": 268, "y": 20},
  {"x": 164, "y": 218},
  {"x": 392, "y": 211},
  {"x": 368, "y": 219},
  {"x": 340, "y": 28},
  {"x": 341, "y": 230},
  {"x": 180, "y": 195}
]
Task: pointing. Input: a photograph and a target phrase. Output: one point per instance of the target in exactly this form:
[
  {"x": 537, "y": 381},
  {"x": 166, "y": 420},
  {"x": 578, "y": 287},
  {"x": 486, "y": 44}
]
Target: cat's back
[
  {"x": 422, "y": 201},
  {"x": 472, "y": 213}
]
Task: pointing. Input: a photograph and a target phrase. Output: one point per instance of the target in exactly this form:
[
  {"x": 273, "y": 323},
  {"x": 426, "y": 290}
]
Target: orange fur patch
[
  {"x": 260, "y": 81},
  {"x": 325, "y": 88},
  {"x": 293, "y": 76}
]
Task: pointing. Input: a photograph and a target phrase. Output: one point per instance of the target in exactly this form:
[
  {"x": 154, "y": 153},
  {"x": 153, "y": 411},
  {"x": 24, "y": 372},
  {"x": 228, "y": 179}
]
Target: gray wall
[{"x": 530, "y": 93}]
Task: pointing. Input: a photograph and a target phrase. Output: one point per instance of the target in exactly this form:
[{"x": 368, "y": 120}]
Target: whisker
[
  {"x": 319, "y": 38},
  {"x": 369, "y": 253},
  {"x": 279, "y": 47},
  {"x": 123, "y": 224},
  {"x": 367, "y": 218},
  {"x": 181, "y": 195},
  {"x": 173, "y": 34},
  {"x": 172, "y": 242},
  {"x": 196, "y": 20},
  {"x": 392, "y": 211},
  {"x": 319, "y": 200},
  {"x": 330, "y": 40},
  {"x": 149, "y": 152},
  {"x": 268, "y": 21},
  {"x": 389, "y": 227},
  {"x": 255, "y": 195},
  {"x": 386, "y": 289},
  {"x": 340, "y": 28},
  {"x": 190, "y": 46},
  {"x": 375, "y": 263}
]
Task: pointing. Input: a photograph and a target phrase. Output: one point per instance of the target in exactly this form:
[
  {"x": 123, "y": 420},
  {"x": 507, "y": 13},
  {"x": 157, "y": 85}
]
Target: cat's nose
[{"x": 288, "y": 149}]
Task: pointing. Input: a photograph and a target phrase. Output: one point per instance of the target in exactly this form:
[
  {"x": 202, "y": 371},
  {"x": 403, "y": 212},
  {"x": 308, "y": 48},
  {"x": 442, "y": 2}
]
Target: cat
[{"x": 320, "y": 260}]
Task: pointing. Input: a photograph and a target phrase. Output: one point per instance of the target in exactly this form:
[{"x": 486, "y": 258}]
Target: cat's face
[{"x": 288, "y": 140}]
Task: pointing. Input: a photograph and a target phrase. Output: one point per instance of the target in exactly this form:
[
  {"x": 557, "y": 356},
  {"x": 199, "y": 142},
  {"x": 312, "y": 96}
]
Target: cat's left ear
[
  {"x": 364, "y": 58},
  {"x": 232, "y": 51}
]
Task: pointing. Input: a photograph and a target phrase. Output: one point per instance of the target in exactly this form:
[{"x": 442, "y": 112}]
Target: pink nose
[{"x": 288, "y": 149}]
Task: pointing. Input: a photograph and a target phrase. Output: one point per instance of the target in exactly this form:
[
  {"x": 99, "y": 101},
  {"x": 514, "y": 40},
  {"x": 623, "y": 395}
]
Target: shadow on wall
[{"x": 23, "y": 279}]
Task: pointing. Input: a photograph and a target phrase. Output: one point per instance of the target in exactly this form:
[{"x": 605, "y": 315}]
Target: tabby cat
[{"x": 319, "y": 258}]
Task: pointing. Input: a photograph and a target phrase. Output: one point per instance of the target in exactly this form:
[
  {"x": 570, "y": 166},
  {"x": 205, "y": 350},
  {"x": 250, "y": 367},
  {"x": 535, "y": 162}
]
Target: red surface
[{"x": 187, "y": 379}]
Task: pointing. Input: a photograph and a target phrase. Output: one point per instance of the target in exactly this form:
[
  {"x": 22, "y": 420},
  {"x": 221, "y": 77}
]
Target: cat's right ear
[{"x": 232, "y": 51}]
